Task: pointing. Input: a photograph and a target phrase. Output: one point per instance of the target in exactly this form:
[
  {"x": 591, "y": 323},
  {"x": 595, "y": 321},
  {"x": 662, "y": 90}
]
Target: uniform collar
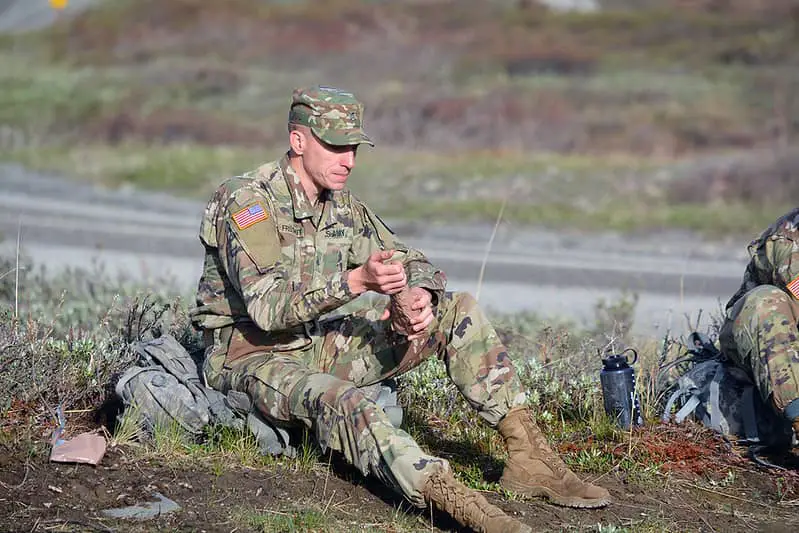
[
  {"x": 333, "y": 208},
  {"x": 299, "y": 200},
  {"x": 331, "y": 201}
]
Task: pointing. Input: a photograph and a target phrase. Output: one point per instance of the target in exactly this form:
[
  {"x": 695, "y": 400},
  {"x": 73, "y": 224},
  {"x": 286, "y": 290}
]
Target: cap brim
[{"x": 345, "y": 137}]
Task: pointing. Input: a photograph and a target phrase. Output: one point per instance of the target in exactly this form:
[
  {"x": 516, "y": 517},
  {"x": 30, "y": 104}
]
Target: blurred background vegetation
[{"x": 637, "y": 115}]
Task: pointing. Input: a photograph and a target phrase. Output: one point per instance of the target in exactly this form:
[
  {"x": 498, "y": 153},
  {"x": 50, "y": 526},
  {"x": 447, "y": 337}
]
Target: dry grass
[{"x": 63, "y": 343}]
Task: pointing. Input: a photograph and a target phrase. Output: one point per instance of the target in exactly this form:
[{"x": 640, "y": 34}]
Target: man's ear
[{"x": 297, "y": 141}]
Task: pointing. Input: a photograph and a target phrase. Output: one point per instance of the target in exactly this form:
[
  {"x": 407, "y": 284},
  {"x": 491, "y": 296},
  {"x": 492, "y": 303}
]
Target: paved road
[{"x": 63, "y": 223}]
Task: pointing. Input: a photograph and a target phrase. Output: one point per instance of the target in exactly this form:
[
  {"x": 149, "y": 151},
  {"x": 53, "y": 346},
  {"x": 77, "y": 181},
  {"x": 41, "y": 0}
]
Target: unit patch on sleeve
[
  {"x": 794, "y": 287},
  {"x": 249, "y": 216}
]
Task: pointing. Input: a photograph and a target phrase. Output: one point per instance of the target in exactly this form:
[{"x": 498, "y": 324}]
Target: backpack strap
[
  {"x": 748, "y": 414},
  {"x": 692, "y": 385},
  {"x": 687, "y": 409},
  {"x": 716, "y": 420}
]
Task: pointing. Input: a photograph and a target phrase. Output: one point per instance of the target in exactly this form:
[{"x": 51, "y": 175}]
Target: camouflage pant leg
[
  {"x": 361, "y": 350},
  {"x": 285, "y": 389},
  {"x": 365, "y": 351},
  {"x": 761, "y": 334}
]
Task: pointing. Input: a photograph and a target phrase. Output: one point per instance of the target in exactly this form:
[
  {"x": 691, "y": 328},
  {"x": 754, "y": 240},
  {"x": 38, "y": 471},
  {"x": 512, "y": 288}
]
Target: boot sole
[{"x": 554, "y": 497}]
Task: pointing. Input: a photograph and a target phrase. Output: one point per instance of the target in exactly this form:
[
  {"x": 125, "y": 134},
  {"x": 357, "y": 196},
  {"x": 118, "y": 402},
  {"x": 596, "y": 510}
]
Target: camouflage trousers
[
  {"x": 760, "y": 335},
  {"x": 318, "y": 386}
]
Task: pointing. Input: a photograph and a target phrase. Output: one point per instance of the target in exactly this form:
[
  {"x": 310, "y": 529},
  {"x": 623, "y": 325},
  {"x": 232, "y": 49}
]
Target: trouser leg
[
  {"x": 365, "y": 351},
  {"x": 342, "y": 418},
  {"x": 361, "y": 351},
  {"x": 761, "y": 334}
]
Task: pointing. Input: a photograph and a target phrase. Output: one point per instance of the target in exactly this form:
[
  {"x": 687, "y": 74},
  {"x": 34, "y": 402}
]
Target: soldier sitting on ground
[
  {"x": 287, "y": 244},
  {"x": 760, "y": 331}
]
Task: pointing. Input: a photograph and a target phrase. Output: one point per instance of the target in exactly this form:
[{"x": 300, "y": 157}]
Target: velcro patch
[
  {"x": 249, "y": 216},
  {"x": 793, "y": 286}
]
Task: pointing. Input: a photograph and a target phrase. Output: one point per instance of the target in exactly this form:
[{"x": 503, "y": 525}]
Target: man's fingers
[
  {"x": 382, "y": 269},
  {"x": 424, "y": 325},
  {"x": 386, "y": 314},
  {"x": 422, "y": 315},
  {"x": 421, "y": 303},
  {"x": 392, "y": 278},
  {"x": 421, "y": 334},
  {"x": 392, "y": 288},
  {"x": 387, "y": 278},
  {"x": 422, "y": 320},
  {"x": 393, "y": 282},
  {"x": 381, "y": 255},
  {"x": 421, "y": 298},
  {"x": 420, "y": 323}
]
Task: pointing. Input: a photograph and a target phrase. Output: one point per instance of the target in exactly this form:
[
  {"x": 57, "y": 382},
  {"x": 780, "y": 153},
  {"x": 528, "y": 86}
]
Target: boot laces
[
  {"x": 464, "y": 505},
  {"x": 545, "y": 452}
]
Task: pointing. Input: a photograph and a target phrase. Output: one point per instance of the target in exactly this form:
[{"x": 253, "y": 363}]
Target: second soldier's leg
[{"x": 761, "y": 334}]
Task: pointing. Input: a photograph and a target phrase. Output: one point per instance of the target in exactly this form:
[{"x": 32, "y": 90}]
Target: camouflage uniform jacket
[
  {"x": 274, "y": 261},
  {"x": 774, "y": 258}
]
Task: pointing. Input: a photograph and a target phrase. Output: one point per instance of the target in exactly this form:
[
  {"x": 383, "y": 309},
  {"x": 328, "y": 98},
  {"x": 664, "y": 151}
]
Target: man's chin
[{"x": 337, "y": 185}]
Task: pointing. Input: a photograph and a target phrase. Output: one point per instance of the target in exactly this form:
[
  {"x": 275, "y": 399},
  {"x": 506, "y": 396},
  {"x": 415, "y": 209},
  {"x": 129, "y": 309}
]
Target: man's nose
[{"x": 348, "y": 159}]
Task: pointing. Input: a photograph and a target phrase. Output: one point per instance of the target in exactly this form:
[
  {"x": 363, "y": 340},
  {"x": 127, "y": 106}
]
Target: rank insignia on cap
[
  {"x": 249, "y": 216},
  {"x": 794, "y": 287}
]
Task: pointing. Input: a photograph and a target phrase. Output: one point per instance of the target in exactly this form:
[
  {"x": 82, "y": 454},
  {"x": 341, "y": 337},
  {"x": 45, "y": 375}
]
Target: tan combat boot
[
  {"x": 468, "y": 507},
  {"x": 534, "y": 469}
]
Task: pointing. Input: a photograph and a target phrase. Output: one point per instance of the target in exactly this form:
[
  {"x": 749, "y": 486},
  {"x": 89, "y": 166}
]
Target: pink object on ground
[{"x": 84, "y": 448}]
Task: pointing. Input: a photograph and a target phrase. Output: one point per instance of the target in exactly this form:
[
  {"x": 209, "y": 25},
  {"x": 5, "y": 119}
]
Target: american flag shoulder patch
[
  {"x": 793, "y": 286},
  {"x": 249, "y": 216}
]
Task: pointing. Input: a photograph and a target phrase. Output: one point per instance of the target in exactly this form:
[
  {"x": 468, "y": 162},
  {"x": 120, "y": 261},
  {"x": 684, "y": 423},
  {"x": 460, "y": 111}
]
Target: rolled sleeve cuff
[{"x": 339, "y": 287}]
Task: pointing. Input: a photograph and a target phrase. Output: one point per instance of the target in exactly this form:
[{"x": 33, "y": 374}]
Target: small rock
[{"x": 147, "y": 511}]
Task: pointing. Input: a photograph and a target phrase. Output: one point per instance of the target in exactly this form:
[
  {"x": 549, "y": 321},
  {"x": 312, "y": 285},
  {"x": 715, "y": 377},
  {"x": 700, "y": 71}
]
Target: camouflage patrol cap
[{"x": 335, "y": 116}]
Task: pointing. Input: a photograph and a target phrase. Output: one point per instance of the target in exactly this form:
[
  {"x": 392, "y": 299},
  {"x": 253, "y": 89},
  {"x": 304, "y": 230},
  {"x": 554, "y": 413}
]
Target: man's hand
[
  {"x": 411, "y": 312},
  {"x": 378, "y": 275}
]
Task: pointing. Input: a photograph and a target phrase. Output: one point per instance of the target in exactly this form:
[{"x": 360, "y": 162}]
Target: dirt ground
[{"x": 37, "y": 495}]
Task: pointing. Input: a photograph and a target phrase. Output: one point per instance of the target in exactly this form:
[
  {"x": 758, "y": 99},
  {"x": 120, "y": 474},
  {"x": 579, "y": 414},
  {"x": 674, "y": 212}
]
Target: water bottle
[{"x": 618, "y": 389}]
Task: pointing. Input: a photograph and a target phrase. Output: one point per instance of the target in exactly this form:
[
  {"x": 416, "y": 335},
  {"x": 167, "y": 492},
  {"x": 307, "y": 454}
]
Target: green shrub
[{"x": 65, "y": 336}]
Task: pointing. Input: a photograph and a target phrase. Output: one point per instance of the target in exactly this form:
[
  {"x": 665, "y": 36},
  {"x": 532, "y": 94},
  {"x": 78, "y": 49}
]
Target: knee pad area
[{"x": 335, "y": 395}]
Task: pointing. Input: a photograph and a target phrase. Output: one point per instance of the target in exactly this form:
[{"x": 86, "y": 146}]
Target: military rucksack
[
  {"x": 722, "y": 397},
  {"x": 164, "y": 388}
]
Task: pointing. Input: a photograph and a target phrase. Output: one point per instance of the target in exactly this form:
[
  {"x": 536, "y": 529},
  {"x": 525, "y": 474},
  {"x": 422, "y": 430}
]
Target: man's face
[{"x": 328, "y": 166}]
